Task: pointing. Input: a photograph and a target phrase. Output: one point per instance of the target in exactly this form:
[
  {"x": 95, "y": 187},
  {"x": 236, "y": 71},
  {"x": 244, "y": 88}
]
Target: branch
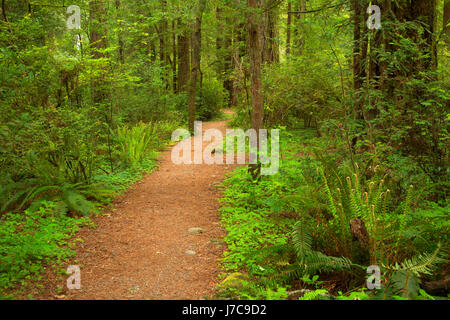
[{"x": 4, "y": 11}]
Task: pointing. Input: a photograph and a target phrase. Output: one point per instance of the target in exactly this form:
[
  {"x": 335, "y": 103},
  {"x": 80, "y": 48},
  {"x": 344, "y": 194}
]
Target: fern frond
[
  {"x": 330, "y": 199},
  {"x": 317, "y": 262},
  {"x": 405, "y": 211},
  {"x": 423, "y": 263},
  {"x": 317, "y": 294},
  {"x": 302, "y": 240}
]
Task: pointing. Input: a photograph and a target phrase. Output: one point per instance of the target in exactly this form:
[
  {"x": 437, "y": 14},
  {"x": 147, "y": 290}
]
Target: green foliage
[
  {"x": 311, "y": 261},
  {"x": 133, "y": 143},
  {"x": 211, "y": 100},
  {"x": 33, "y": 240},
  {"x": 318, "y": 294},
  {"x": 305, "y": 212},
  {"x": 299, "y": 92},
  {"x": 355, "y": 295}
]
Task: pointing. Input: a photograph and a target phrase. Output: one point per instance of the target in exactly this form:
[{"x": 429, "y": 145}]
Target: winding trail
[{"x": 138, "y": 250}]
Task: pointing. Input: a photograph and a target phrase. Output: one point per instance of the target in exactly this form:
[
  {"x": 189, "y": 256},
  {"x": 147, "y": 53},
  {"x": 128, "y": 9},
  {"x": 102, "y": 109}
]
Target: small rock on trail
[{"x": 196, "y": 230}]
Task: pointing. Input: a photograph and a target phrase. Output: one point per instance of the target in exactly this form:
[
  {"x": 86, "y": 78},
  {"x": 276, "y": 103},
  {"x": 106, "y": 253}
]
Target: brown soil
[{"x": 138, "y": 250}]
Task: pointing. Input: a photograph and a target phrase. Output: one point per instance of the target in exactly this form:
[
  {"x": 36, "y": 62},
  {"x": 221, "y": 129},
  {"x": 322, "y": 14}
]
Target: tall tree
[
  {"x": 196, "y": 40},
  {"x": 174, "y": 59},
  {"x": 298, "y": 37},
  {"x": 446, "y": 21},
  {"x": 255, "y": 56},
  {"x": 183, "y": 57},
  {"x": 270, "y": 32},
  {"x": 98, "y": 43},
  {"x": 359, "y": 52},
  {"x": 288, "y": 28},
  {"x": 119, "y": 35}
]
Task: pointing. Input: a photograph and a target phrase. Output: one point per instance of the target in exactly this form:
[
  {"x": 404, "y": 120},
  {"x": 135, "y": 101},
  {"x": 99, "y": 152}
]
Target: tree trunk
[
  {"x": 254, "y": 41},
  {"x": 5, "y": 17},
  {"x": 174, "y": 60},
  {"x": 238, "y": 38},
  {"x": 196, "y": 39},
  {"x": 446, "y": 20},
  {"x": 288, "y": 29},
  {"x": 98, "y": 40},
  {"x": 119, "y": 36},
  {"x": 358, "y": 49},
  {"x": 298, "y": 34},
  {"x": 183, "y": 60},
  {"x": 270, "y": 33}
]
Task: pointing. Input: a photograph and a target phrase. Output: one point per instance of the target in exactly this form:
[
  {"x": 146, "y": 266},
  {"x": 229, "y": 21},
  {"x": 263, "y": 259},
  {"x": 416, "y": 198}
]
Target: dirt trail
[{"x": 139, "y": 249}]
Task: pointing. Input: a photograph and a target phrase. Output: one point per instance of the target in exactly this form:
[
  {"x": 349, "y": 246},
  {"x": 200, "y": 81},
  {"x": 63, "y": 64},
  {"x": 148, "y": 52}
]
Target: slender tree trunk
[
  {"x": 183, "y": 60},
  {"x": 237, "y": 38},
  {"x": 288, "y": 28},
  {"x": 174, "y": 60},
  {"x": 270, "y": 33},
  {"x": 298, "y": 40},
  {"x": 446, "y": 21},
  {"x": 254, "y": 41},
  {"x": 98, "y": 40},
  {"x": 228, "y": 60},
  {"x": 120, "y": 40},
  {"x": 196, "y": 39},
  {"x": 5, "y": 17},
  {"x": 359, "y": 51}
]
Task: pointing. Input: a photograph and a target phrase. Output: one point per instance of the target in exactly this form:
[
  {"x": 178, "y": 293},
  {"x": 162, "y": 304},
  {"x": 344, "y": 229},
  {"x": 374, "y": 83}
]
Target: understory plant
[
  {"x": 359, "y": 227},
  {"x": 32, "y": 240},
  {"x": 133, "y": 143}
]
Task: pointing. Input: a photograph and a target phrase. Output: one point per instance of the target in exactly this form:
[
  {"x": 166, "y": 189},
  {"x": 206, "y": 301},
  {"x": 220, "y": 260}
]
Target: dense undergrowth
[
  {"x": 39, "y": 233},
  {"x": 290, "y": 235}
]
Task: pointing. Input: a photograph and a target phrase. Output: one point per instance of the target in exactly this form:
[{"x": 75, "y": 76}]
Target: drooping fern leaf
[
  {"x": 311, "y": 261},
  {"x": 422, "y": 263},
  {"x": 302, "y": 240}
]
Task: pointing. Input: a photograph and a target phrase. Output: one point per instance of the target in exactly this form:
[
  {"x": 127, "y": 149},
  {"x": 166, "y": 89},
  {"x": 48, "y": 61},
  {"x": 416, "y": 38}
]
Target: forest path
[{"x": 140, "y": 248}]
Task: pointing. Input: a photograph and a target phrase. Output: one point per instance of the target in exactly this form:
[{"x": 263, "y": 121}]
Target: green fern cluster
[
  {"x": 385, "y": 226},
  {"x": 73, "y": 197},
  {"x": 370, "y": 203},
  {"x": 311, "y": 261},
  {"x": 133, "y": 143}
]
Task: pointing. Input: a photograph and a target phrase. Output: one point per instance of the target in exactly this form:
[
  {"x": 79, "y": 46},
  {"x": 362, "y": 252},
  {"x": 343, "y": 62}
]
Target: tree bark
[
  {"x": 98, "y": 40},
  {"x": 270, "y": 33},
  {"x": 254, "y": 41},
  {"x": 446, "y": 20},
  {"x": 183, "y": 59},
  {"x": 5, "y": 17},
  {"x": 358, "y": 49},
  {"x": 120, "y": 40},
  {"x": 196, "y": 39},
  {"x": 298, "y": 40},
  {"x": 288, "y": 29},
  {"x": 174, "y": 60}
]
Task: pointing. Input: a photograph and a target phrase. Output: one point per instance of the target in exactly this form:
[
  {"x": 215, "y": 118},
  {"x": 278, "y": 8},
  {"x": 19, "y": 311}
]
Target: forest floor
[{"x": 142, "y": 247}]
